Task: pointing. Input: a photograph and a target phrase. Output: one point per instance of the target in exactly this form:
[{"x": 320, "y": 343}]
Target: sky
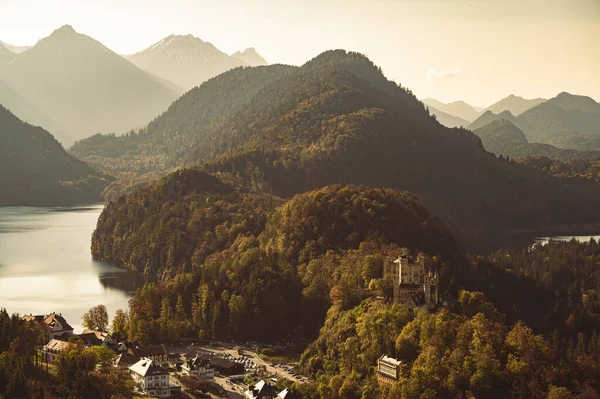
[{"x": 478, "y": 51}]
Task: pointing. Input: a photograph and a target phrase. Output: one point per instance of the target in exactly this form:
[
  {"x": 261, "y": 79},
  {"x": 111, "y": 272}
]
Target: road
[{"x": 221, "y": 348}]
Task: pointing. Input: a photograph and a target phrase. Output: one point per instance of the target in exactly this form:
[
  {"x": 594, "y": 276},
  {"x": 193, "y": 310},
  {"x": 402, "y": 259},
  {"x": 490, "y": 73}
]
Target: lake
[
  {"x": 544, "y": 240},
  {"x": 46, "y": 264}
]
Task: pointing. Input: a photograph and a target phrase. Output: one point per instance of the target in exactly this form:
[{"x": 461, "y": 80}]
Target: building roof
[
  {"x": 93, "y": 337},
  {"x": 149, "y": 351},
  {"x": 53, "y": 318},
  {"x": 223, "y": 363},
  {"x": 56, "y": 345},
  {"x": 125, "y": 359},
  {"x": 390, "y": 360},
  {"x": 287, "y": 394},
  {"x": 146, "y": 367},
  {"x": 197, "y": 362},
  {"x": 261, "y": 390},
  {"x": 50, "y": 320}
]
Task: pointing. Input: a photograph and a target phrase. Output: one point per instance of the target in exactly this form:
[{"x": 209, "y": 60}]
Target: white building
[
  {"x": 56, "y": 326},
  {"x": 52, "y": 349},
  {"x": 199, "y": 367},
  {"x": 152, "y": 379}
]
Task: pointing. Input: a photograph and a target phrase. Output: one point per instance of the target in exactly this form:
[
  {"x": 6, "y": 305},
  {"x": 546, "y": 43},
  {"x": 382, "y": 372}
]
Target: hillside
[
  {"x": 563, "y": 114},
  {"x": 501, "y": 137},
  {"x": 337, "y": 119},
  {"x": 577, "y": 141},
  {"x": 458, "y": 109},
  {"x": 36, "y": 170},
  {"x": 85, "y": 87},
  {"x": 447, "y": 119},
  {"x": 277, "y": 260},
  {"x": 15, "y": 49},
  {"x": 6, "y": 55},
  {"x": 188, "y": 61},
  {"x": 514, "y": 104},
  {"x": 250, "y": 57},
  {"x": 488, "y": 116}
]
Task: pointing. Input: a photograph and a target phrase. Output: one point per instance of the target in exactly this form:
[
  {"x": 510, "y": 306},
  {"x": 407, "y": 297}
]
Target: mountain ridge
[{"x": 85, "y": 86}]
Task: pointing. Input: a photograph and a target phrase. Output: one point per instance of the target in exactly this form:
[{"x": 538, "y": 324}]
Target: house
[
  {"x": 124, "y": 360},
  {"x": 152, "y": 379},
  {"x": 261, "y": 390},
  {"x": 388, "y": 370},
  {"x": 225, "y": 367},
  {"x": 157, "y": 353},
  {"x": 56, "y": 326},
  {"x": 287, "y": 394},
  {"x": 413, "y": 285},
  {"x": 52, "y": 349},
  {"x": 199, "y": 367},
  {"x": 95, "y": 338}
]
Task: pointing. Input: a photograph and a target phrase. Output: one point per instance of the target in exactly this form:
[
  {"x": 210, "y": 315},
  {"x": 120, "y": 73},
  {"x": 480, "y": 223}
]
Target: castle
[{"x": 413, "y": 285}]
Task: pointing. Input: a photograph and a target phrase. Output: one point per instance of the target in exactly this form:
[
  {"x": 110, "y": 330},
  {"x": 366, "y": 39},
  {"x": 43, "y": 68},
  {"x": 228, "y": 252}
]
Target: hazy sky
[{"x": 475, "y": 50}]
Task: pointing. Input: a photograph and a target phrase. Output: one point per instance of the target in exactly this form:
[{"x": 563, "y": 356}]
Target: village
[{"x": 231, "y": 370}]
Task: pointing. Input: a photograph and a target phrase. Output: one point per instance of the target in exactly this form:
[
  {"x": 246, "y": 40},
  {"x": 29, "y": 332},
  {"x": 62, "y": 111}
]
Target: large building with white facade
[{"x": 414, "y": 286}]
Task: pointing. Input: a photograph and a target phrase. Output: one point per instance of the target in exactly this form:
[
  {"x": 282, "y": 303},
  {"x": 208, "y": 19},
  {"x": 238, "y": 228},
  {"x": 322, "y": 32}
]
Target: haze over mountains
[
  {"x": 188, "y": 61},
  {"x": 36, "y": 170},
  {"x": 15, "y": 49},
  {"x": 74, "y": 86}
]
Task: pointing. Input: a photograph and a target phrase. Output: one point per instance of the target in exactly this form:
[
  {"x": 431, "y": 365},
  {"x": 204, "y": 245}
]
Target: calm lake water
[
  {"x": 46, "y": 265},
  {"x": 544, "y": 240}
]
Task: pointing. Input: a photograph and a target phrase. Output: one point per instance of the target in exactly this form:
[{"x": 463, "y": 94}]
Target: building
[
  {"x": 199, "y": 367},
  {"x": 56, "y": 326},
  {"x": 153, "y": 380},
  {"x": 157, "y": 353},
  {"x": 287, "y": 394},
  {"x": 225, "y": 367},
  {"x": 52, "y": 349},
  {"x": 95, "y": 338},
  {"x": 388, "y": 370},
  {"x": 261, "y": 390},
  {"x": 413, "y": 285},
  {"x": 124, "y": 360}
]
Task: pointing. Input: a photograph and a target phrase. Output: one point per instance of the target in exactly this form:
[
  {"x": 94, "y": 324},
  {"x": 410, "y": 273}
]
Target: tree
[
  {"x": 120, "y": 325},
  {"x": 96, "y": 318}
]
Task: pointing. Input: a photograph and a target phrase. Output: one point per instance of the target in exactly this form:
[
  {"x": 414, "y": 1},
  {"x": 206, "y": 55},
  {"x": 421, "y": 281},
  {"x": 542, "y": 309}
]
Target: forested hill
[
  {"x": 502, "y": 137},
  {"x": 336, "y": 120},
  {"x": 36, "y": 170},
  {"x": 238, "y": 261}
]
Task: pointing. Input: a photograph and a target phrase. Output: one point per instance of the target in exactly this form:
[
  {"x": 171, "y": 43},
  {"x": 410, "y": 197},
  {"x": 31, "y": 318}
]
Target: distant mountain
[
  {"x": 447, "y": 119},
  {"x": 188, "y": 61},
  {"x": 6, "y": 55},
  {"x": 502, "y": 137},
  {"x": 250, "y": 57},
  {"x": 337, "y": 119},
  {"x": 577, "y": 141},
  {"x": 85, "y": 87},
  {"x": 36, "y": 170},
  {"x": 514, "y": 104},
  {"x": 563, "y": 114},
  {"x": 488, "y": 117},
  {"x": 456, "y": 108},
  {"x": 23, "y": 108},
  {"x": 15, "y": 49}
]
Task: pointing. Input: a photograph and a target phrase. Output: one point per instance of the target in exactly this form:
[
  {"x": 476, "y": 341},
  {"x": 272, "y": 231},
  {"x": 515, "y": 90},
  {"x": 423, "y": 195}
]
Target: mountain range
[
  {"x": 36, "y": 170},
  {"x": 513, "y": 104},
  {"x": 85, "y": 87},
  {"x": 559, "y": 116},
  {"x": 502, "y": 137},
  {"x": 337, "y": 119},
  {"x": 187, "y": 61},
  {"x": 15, "y": 49},
  {"x": 74, "y": 86}
]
